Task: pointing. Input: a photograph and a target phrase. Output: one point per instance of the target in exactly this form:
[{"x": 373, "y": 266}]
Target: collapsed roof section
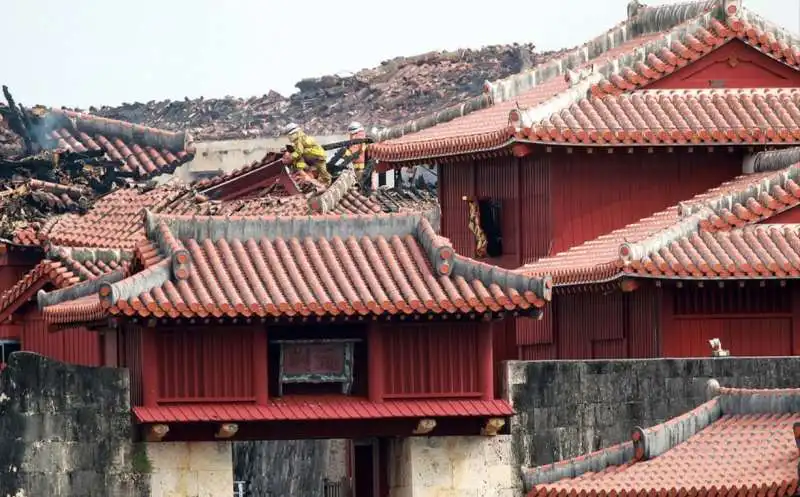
[
  {"x": 578, "y": 97},
  {"x": 285, "y": 267},
  {"x": 717, "y": 234},
  {"x": 741, "y": 442}
]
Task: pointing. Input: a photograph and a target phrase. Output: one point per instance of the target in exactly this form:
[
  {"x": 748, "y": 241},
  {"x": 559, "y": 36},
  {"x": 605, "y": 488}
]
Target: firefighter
[
  {"x": 357, "y": 131},
  {"x": 306, "y": 152}
]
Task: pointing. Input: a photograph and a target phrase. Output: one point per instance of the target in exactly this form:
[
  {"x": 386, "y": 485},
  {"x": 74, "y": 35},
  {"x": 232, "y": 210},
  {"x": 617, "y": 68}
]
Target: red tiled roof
[
  {"x": 676, "y": 117},
  {"x": 64, "y": 268},
  {"x": 303, "y": 266},
  {"x": 674, "y": 36},
  {"x": 116, "y": 221},
  {"x": 328, "y": 409},
  {"x": 143, "y": 151},
  {"x": 744, "y": 442},
  {"x": 705, "y": 237}
]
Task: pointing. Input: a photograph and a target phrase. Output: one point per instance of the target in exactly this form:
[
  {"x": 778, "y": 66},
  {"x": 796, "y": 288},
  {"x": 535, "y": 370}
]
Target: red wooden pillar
[
  {"x": 150, "y": 367},
  {"x": 486, "y": 361},
  {"x": 260, "y": 366},
  {"x": 795, "y": 319},
  {"x": 375, "y": 362}
]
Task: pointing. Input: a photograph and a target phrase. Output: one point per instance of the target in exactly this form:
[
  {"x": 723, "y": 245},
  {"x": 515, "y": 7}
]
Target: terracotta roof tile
[
  {"x": 142, "y": 151},
  {"x": 309, "y": 266},
  {"x": 328, "y": 409},
  {"x": 547, "y": 113},
  {"x": 712, "y": 235},
  {"x": 740, "y": 442},
  {"x": 64, "y": 268}
]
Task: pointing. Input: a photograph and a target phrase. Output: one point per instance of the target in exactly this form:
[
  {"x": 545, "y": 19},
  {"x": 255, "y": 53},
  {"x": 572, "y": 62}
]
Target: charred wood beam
[{"x": 16, "y": 121}]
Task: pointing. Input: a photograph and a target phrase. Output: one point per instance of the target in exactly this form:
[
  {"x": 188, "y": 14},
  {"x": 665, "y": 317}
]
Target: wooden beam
[{"x": 376, "y": 363}]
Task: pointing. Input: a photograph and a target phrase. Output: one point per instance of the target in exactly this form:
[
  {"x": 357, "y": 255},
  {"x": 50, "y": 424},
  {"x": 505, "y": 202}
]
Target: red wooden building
[
  {"x": 30, "y": 262},
  {"x": 616, "y": 168},
  {"x": 252, "y": 328}
]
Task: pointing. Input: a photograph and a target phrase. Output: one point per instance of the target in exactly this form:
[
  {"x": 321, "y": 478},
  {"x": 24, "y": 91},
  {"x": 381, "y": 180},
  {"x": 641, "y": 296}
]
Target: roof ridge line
[
  {"x": 755, "y": 400},
  {"x": 322, "y": 226},
  {"x": 512, "y": 86},
  {"x": 653, "y": 441},
  {"x": 753, "y": 18},
  {"x": 78, "y": 290},
  {"x": 330, "y": 198},
  {"x": 636, "y": 251},
  {"x": 134, "y": 285},
  {"x": 154, "y": 137},
  {"x": 594, "y": 462}
]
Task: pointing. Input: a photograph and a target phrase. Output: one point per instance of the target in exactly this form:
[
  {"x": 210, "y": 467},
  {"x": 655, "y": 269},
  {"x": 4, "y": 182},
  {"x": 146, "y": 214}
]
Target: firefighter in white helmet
[
  {"x": 359, "y": 150},
  {"x": 306, "y": 152}
]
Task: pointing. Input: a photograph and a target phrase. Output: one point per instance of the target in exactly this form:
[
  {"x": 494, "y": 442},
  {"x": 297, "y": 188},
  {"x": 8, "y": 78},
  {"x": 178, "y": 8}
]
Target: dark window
[
  {"x": 7, "y": 347},
  {"x": 491, "y": 220}
]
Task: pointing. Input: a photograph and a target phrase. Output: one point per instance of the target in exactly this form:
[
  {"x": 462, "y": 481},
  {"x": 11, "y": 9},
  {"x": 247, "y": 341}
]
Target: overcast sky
[{"x": 88, "y": 52}]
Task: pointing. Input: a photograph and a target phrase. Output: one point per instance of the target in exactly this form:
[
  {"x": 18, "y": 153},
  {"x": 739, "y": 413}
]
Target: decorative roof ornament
[{"x": 634, "y": 7}]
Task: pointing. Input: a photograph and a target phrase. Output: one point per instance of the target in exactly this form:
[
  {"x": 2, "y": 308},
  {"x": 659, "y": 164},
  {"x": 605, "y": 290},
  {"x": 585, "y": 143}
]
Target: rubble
[{"x": 398, "y": 90}]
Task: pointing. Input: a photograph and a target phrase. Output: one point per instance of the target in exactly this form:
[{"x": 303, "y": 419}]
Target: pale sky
[{"x": 90, "y": 52}]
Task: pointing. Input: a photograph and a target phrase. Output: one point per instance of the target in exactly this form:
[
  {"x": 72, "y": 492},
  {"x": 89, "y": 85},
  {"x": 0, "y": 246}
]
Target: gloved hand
[{"x": 287, "y": 158}]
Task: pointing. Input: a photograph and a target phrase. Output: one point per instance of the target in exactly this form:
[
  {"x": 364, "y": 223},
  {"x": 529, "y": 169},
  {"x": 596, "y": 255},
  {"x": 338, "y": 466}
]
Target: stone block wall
[
  {"x": 568, "y": 408},
  {"x": 65, "y": 431},
  {"x": 288, "y": 467},
  {"x": 453, "y": 467},
  {"x": 195, "y": 469}
]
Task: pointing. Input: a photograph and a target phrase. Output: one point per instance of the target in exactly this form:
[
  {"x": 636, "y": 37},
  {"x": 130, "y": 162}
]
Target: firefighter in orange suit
[
  {"x": 306, "y": 152},
  {"x": 357, "y": 131}
]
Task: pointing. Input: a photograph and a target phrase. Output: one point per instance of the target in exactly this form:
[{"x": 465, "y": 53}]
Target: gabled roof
[
  {"x": 741, "y": 442},
  {"x": 645, "y": 48},
  {"x": 64, "y": 268},
  {"x": 312, "y": 266},
  {"x": 713, "y": 235}
]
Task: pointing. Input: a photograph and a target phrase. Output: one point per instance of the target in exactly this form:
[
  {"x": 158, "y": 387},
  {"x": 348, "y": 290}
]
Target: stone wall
[
  {"x": 66, "y": 431},
  {"x": 190, "y": 469},
  {"x": 285, "y": 467},
  {"x": 453, "y": 466},
  {"x": 568, "y": 408}
]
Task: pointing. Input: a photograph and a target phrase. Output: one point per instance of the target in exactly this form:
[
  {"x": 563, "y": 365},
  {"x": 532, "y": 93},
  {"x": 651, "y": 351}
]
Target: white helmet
[
  {"x": 291, "y": 128},
  {"x": 355, "y": 127}
]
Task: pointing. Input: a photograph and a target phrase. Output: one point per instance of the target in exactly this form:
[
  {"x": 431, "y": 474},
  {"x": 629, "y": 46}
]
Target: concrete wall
[
  {"x": 227, "y": 155},
  {"x": 453, "y": 467},
  {"x": 568, "y": 408},
  {"x": 66, "y": 431}
]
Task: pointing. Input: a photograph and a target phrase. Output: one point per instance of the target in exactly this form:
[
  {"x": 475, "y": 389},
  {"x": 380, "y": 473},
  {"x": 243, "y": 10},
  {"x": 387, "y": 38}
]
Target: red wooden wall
[
  {"x": 789, "y": 216},
  {"x": 750, "y": 320},
  {"x": 131, "y": 357},
  {"x": 73, "y": 345},
  {"x": 208, "y": 364},
  {"x": 552, "y": 201},
  {"x": 593, "y": 325},
  {"x": 432, "y": 361},
  {"x": 734, "y": 65}
]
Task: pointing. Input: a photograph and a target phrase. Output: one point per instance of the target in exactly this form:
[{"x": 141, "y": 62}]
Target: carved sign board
[
  {"x": 316, "y": 361},
  {"x": 313, "y": 358}
]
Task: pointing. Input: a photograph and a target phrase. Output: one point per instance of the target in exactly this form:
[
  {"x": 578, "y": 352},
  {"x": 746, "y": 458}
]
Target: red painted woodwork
[
  {"x": 486, "y": 362},
  {"x": 796, "y": 320},
  {"x": 432, "y": 361},
  {"x": 10, "y": 331},
  {"x": 552, "y": 201},
  {"x": 260, "y": 366},
  {"x": 594, "y": 194},
  {"x": 375, "y": 363},
  {"x": 790, "y": 216},
  {"x": 205, "y": 364},
  {"x": 130, "y": 353},
  {"x": 151, "y": 367},
  {"x": 73, "y": 345},
  {"x": 734, "y": 65},
  {"x": 109, "y": 348},
  {"x": 10, "y": 275},
  {"x": 643, "y": 319},
  {"x": 750, "y": 320}
]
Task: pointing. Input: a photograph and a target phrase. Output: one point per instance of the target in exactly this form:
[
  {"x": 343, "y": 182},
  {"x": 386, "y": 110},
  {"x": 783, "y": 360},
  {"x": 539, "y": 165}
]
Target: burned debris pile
[
  {"x": 38, "y": 178},
  {"x": 398, "y": 90}
]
